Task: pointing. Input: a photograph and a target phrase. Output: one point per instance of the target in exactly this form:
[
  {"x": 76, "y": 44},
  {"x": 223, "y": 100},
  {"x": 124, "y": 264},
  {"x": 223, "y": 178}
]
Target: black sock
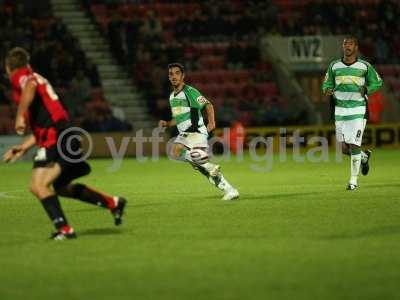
[
  {"x": 201, "y": 170},
  {"x": 85, "y": 194},
  {"x": 217, "y": 179},
  {"x": 53, "y": 209}
]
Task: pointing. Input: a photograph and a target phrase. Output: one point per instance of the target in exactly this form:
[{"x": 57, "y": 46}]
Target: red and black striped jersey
[{"x": 46, "y": 113}]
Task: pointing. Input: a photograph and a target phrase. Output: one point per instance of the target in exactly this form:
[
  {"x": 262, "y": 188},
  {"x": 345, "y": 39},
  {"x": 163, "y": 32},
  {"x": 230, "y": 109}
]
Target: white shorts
[
  {"x": 350, "y": 132},
  {"x": 192, "y": 140}
]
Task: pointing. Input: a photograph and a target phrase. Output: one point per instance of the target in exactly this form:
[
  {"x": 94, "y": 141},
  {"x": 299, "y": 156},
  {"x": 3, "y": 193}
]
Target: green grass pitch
[{"x": 294, "y": 234}]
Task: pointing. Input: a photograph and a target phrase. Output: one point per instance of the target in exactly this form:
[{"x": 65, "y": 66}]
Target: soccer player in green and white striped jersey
[
  {"x": 187, "y": 104},
  {"x": 350, "y": 80}
]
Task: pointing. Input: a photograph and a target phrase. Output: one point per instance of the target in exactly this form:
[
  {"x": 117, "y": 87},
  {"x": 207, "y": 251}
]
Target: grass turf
[{"x": 294, "y": 234}]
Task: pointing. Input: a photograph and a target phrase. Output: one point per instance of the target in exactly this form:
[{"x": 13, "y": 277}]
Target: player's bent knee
[
  {"x": 36, "y": 190},
  {"x": 199, "y": 156},
  {"x": 70, "y": 190},
  {"x": 353, "y": 146},
  {"x": 62, "y": 191},
  {"x": 40, "y": 191}
]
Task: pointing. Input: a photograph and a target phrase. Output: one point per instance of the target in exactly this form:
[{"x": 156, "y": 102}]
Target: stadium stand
[
  {"x": 218, "y": 43},
  {"x": 57, "y": 55}
]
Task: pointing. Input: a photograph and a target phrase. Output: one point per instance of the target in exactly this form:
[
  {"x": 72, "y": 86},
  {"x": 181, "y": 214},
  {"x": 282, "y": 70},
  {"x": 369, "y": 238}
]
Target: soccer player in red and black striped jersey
[{"x": 56, "y": 163}]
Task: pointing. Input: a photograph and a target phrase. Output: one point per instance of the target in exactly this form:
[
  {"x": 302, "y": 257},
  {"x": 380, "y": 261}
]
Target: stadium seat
[
  {"x": 212, "y": 62},
  {"x": 269, "y": 89},
  {"x": 388, "y": 70},
  {"x": 99, "y": 10},
  {"x": 395, "y": 84},
  {"x": 97, "y": 94}
]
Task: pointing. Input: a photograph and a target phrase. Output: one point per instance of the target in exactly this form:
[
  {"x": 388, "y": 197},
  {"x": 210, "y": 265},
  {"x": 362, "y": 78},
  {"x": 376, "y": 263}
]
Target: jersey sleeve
[
  {"x": 373, "y": 81},
  {"x": 329, "y": 81},
  {"x": 196, "y": 99},
  {"x": 21, "y": 81}
]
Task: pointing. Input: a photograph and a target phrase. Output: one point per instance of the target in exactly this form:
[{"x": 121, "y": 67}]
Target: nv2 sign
[{"x": 305, "y": 49}]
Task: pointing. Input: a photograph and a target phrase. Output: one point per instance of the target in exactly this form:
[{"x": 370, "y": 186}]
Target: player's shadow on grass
[
  {"x": 100, "y": 231},
  {"x": 93, "y": 231},
  {"x": 94, "y": 209},
  {"x": 379, "y": 186},
  {"x": 86, "y": 209},
  {"x": 268, "y": 196},
  {"x": 279, "y": 196},
  {"x": 379, "y": 231}
]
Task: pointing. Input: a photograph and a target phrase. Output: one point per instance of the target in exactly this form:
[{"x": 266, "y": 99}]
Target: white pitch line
[{"x": 6, "y": 194}]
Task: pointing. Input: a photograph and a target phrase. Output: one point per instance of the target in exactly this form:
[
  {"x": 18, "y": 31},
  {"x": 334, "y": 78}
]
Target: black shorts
[{"x": 67, "y": 156}]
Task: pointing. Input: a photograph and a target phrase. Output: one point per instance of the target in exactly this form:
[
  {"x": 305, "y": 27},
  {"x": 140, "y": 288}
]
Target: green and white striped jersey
[
  {"x": 186, "y": 107},
  {"x": 347, "y": 81}
]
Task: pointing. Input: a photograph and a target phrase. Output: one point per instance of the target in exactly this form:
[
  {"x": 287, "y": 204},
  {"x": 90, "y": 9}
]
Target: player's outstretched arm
[
  {"x": 163, "y": 123},
  {"x": 15, "y": 152},
  {"x": 28, "y": 93},
  {"x": 210, "y": 117}
]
